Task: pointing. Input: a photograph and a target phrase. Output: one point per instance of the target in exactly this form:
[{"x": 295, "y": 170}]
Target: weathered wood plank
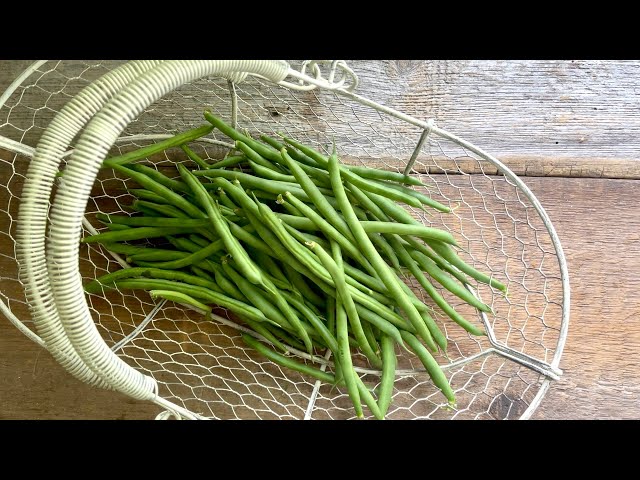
[
  {"x": 575, "y": 118},
  {"x": 598, "y": 225}
]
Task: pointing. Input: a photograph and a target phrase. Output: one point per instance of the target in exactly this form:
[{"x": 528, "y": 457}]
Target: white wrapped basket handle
[{"x": 51, "y": 276}]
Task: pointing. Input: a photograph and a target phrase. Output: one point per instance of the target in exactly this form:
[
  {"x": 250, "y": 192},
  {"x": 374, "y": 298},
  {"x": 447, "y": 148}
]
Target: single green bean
[
  {"x": 159, "y": 177},
  {"x": 376, "y": 174},
  {"x": 344, "y": 357},
  {"x": 195, "y": 292},
  {"x": 134, "y": 272},
  {"x": 435, "y": 372},
  {"x": 389, "y": 362},
  {"x": 179, "y": 298},
  {"x": 287, "y": 362},
  {"x": 144, "y": 194},
  {"x": 144, "y": 152},
  {"x": 153, "y": 221},
  {"x": 403, "y": 229},
  {"x": 195, "y": 157},
  {"x": 159, "y": 209},
  {"x": 135, "y": 234},
  {"x": 232, "y": 133},
  {"x": 265, "y": 332},
  {"x": 229, "y": 161}
]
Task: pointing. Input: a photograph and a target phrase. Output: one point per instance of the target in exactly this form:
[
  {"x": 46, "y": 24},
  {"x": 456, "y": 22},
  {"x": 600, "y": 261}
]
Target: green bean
[
  {"x": 97, "y": 284},
  {"x": 376, "y": 174},
  {"x": 231, "y": 288},
  {"x": 194, "y": 258},
  {"x": 299, "y": 282},
  {"x": 294, "y": 321},
  {"x": 435, "y": 372},
  {"x": 293, "y": 211},
  {"x": 331, "y": 315},
  {"x": 230, "y": 132},
  {"x": 265, "y": 332},
  {"x": 225, "y": 200},
  {"x": 175, "y": 199},
  {"x": 295, "y": 154},
  {"x": 300, "y": 223},
  {"x": 144, "y": 152},
  {"x": 344, "y": 357},
  {"x": 159, "y": 177},
  {"x": 116, "y": 227},
  {"x": 253, "y": 182},
  {"x": 161, "y": 255},
  {"x": 419, "y": 249},
  {"x": 411, "y": 264},
  {"x": 194, "y": 157},
  {"x": 179, "y": 298},
  {"x": 390, "y": 326},
  {"x": 389, "y": 362},
  {"x": 447, "y": 282},
  {"x": 403, "y": 229},
  {"x": 391, "y": 209},
  {"x": 287, "y": 362},
  {"x": 364, "y": 183},
  {"x": 152, "y": 221},
  {"x": 195, "y": 292},
  {"x": 144, "y": 194},
  {"x": 445, "y": 252},
  {"x": 245, "y": 264},
  {"x": 130, "y": 249},
  {"x": 256, "y": 160},
  {"x": 330, "y": 232},
  {"x": 228, "y": 162},
  {"x": 365, "y": 395},
  {"x": 318, "y": 199},
  {"x": 135, "y": 234},
  {"x": 166, "y": 210},
  {"x": 305, "y": 237},
  {"x": 285, "y": 336},
  {"x": 313, "y": 319},
  {"x": 384, "y": 272},
  {"x": 385, "y": 248},
  {"x": 267, "y": 263},
  {"x": 367, "y": 328},
  {"x": 255, "y": 296},
  {"x": 202, "y": 274},
  {"x": 337, "y": 273}
]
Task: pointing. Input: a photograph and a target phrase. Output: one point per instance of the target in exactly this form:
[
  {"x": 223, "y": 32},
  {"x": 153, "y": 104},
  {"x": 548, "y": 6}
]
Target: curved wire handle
[{"x": 346, "y": 79}]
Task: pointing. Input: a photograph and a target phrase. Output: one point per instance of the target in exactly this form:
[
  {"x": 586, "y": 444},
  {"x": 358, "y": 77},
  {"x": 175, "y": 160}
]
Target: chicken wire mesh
[{"x": 203, "y": 365}]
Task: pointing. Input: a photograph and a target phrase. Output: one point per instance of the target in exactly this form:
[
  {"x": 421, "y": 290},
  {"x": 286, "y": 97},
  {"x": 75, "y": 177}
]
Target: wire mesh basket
[{"x": 198, "y": 368}]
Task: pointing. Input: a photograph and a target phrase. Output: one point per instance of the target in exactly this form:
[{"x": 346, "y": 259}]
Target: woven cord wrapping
[{"x": 72, "y": 196}]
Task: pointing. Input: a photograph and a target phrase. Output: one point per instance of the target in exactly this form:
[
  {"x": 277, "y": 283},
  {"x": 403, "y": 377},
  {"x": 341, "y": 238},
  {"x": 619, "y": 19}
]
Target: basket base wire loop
[
  {"x": 69, "y": 206},
  {"x": 34, "y": 209}
]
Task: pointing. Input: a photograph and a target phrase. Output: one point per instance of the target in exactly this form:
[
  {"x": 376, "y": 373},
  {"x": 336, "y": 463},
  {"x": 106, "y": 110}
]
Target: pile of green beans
[{"x": 306, "y": 251}]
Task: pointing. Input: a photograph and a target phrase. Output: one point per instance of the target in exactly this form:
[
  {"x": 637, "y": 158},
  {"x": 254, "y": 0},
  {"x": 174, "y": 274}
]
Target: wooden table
[{"x": 571, "y": 128}]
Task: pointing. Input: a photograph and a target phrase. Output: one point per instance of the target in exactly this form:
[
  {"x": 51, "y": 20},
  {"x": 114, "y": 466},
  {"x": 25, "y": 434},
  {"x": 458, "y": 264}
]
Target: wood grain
[
  {"x": 599, "y": 227},
  {"x": 543, "y": 117}
]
